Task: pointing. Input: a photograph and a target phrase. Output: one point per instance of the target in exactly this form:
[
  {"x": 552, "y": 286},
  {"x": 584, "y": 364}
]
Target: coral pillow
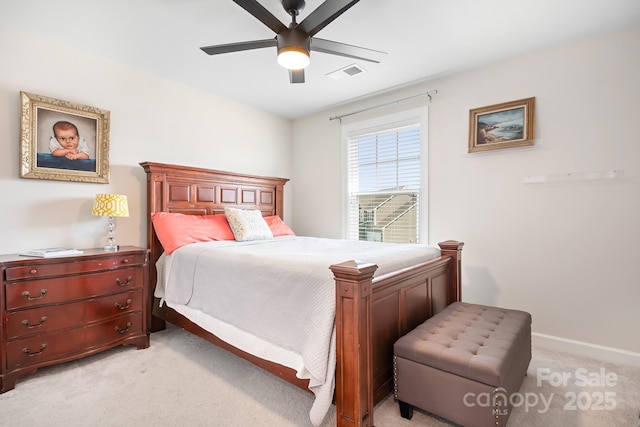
[
  {"x": 278, "y": 227},
  {"x": 175, "y": 230}
]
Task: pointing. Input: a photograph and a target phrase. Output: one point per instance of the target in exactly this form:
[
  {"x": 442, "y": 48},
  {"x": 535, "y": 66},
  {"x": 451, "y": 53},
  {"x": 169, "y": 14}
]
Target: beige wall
[
  {"x": 152, "y": 119},
  {"x": 566, "y": 252}
]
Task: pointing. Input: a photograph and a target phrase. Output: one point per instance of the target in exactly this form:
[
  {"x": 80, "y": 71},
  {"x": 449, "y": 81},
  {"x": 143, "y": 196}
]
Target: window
[{"x": 385, "y": 178}]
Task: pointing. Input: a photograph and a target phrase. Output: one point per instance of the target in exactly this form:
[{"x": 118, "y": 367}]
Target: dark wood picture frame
[
  {"x": 38, "y": 114},
  {"x": 505, "y": 125}
]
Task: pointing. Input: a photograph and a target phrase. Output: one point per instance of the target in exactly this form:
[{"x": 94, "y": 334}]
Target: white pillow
[{"x": 247, "y": 224}]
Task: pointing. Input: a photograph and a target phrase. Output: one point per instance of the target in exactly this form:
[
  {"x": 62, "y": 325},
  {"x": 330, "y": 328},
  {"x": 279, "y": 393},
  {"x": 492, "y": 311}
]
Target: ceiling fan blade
[
  {"x": 296, "y": 76},
  {"x": 263, "y": 15},
  {"x": 324, "y": 15},
  {"x": 342, "y": 49},
  {"x": 237, "y": 47}
]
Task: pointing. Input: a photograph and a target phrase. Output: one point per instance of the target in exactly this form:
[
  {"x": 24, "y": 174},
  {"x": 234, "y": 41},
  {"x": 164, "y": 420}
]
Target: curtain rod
[{"x": 431, "y": 92}]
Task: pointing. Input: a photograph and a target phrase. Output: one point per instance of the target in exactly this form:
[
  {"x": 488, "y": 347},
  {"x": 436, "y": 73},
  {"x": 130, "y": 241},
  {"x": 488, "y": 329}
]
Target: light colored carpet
[{"x": 182, "y": 380}]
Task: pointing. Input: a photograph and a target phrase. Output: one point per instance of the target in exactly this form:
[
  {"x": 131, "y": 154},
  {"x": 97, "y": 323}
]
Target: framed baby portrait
[
  {"x": 505, "y": 125},
  {"x": 61, "y": 140}
]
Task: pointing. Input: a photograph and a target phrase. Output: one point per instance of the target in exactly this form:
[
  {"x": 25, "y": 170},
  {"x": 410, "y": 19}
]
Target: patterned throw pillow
[{"x": 247, "y": 224}]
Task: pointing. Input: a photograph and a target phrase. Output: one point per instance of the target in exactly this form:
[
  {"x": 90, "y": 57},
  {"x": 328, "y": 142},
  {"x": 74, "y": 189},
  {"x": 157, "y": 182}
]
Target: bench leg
[{"x": 406, "y": 410}]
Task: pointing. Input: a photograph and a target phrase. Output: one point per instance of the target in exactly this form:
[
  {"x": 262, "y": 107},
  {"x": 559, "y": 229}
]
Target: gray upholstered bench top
[{"x": 473, "y": 341}]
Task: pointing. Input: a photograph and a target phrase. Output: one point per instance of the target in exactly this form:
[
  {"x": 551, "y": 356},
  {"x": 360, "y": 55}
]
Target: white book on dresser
[{"x": 51, "y": 252}]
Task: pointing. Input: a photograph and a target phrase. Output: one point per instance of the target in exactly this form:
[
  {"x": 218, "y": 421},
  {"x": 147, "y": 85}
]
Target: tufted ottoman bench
[{"x": 464, "y": 364}]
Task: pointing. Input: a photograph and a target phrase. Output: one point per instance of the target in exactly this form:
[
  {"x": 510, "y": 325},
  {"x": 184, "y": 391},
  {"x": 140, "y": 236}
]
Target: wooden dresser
[{"x": 59, "y": 309}]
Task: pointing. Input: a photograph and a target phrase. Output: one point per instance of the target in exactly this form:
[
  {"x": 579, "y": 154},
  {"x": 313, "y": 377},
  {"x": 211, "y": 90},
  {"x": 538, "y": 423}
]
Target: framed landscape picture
[
  {"x": 505, "y": 125},
  {"x": 61, "y": 140}
]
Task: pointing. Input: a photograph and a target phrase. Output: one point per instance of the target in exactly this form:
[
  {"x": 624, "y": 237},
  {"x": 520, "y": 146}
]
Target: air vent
[{"x": 348, "y": 71}]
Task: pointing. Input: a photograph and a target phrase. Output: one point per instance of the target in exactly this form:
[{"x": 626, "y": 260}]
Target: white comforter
[{"x": 275, "y": 298}]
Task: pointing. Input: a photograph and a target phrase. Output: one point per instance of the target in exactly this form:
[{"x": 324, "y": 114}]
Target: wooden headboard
[{"x": 199, "y": 191}]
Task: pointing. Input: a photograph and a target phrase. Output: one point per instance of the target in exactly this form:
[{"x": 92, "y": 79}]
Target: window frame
[{"x": 389, "y": 121}]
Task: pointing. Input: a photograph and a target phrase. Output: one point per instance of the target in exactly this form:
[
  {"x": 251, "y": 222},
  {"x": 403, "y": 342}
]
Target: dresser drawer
[
  {"x": 23, "y": 323},
  {"x": 45, "y": 348},
  {"x": 32, "y": 293},
  {"x": 73, "y": 266},
  {"x": 114, "y": 330}
]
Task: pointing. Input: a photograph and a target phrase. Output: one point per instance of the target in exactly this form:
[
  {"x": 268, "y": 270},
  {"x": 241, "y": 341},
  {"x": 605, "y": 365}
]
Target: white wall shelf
[{"x": 574, "y": 176}]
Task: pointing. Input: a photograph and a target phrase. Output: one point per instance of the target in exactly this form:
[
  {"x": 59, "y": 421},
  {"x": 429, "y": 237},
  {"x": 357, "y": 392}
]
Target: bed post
[
  {"x": 453, "y": 249},
  {"x": 354, "y": 358},
  {"x": 155, "y": 202}
]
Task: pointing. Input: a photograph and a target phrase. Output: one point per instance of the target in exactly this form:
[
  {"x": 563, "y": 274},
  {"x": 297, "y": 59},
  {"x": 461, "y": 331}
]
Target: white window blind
[{"x": 384, "y": 181}]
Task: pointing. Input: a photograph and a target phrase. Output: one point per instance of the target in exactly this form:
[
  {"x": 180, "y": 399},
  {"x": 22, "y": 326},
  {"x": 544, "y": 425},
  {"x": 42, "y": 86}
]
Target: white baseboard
[{"x": 585, "y": 349}]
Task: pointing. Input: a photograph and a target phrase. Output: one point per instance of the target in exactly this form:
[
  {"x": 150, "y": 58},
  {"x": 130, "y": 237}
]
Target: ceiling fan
[{"x": 296, "y": 41}]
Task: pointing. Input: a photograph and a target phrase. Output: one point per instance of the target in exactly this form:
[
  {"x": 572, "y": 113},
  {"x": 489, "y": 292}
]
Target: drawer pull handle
[
  {"x": 30, "y": 298},
  {"x": 42, "y": 320},
  {"x": 119, "y": 282},
  {"x": 30, "y": 354},
  {"x": 122, "y": 331},
  {"x": 123, "y": 307},
  {"x": 125, "y": 261}
]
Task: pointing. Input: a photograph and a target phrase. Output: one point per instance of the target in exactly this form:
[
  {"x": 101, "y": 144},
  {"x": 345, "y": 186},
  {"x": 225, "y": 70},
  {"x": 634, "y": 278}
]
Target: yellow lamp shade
[{"x": 110, "y": 205}]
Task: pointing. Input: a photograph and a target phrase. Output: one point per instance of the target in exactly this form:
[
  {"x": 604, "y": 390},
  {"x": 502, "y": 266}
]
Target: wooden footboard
[{"x": 371, "y": 314}]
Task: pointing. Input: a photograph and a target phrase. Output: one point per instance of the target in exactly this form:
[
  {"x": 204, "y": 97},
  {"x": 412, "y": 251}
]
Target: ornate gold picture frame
[
  {"x": 505, "y": 125},
  {"x": 64, "y": 141}
]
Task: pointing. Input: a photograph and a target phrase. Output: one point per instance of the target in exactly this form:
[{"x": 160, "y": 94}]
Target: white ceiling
[{"x": 423, "y": 39}]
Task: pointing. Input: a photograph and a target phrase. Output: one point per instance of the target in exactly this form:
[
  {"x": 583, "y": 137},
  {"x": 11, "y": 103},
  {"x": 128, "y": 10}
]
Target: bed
[{"x": 372, "y": 310}]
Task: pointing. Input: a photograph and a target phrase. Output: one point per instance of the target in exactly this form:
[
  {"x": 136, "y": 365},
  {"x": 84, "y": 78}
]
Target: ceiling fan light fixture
[
  {"x": 293, "y": 57},
  {"x": 293, "y": 42}
]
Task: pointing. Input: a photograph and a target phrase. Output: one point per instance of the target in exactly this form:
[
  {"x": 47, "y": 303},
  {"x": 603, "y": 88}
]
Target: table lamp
[{"x": 110, "y": 205}]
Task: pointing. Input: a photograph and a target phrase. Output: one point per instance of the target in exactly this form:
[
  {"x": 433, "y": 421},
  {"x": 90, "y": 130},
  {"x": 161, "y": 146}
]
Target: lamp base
[{"x": 112, "y": 248}]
